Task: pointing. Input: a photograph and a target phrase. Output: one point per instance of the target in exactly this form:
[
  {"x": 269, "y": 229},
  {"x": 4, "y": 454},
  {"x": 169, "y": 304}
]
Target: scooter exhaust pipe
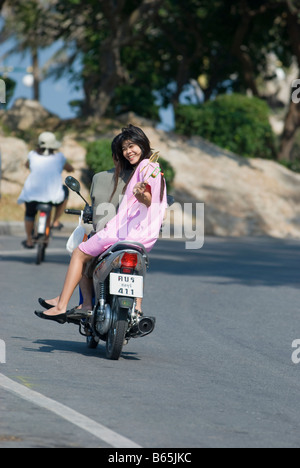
[{"x": 146, "y": 325}]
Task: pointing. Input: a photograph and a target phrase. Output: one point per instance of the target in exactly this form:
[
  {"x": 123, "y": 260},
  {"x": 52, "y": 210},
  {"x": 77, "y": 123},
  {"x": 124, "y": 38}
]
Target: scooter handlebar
[
  {"x": 73, "y": 212},
  {"x": 87, "y": 214}
]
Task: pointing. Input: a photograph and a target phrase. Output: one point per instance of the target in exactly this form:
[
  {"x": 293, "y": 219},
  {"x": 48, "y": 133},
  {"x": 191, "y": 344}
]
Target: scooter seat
[{"x": 128, "y": 246}]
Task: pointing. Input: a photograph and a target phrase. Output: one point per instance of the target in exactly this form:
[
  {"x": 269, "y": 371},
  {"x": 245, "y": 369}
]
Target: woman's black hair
[
  {"x": 114, "y": 145},
  {"x": 138, "y": 137}
]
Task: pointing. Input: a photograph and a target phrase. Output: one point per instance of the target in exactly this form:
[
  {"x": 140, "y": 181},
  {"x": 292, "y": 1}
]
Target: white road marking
[{"x": 83, "y": 422}]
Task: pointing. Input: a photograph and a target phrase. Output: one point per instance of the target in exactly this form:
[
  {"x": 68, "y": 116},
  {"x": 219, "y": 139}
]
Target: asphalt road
[{"x": 217, "y": 371}]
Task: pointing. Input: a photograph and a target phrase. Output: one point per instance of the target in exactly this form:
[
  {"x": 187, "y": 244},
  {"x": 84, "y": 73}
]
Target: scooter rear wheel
[
  {"x": 117, "y": 332},
  {"x": 40, "y": 256}
]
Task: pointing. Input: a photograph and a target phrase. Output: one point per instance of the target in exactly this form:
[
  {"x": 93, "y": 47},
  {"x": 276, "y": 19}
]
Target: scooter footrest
[{"x": 78, "y": 314}]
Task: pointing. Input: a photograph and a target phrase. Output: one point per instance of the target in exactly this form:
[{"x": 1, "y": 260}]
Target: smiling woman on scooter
[{"x": 139, "y": 217}]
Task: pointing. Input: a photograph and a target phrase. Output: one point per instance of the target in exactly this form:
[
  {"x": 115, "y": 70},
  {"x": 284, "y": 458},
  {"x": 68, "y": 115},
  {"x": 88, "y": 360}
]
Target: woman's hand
[
  {"x": 139, "y": 188},
  {"x": 142, "y": 193}
]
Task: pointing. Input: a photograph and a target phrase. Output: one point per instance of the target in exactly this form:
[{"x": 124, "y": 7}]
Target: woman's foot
[
  {"x": 27, "y": 244},
  {"x": 85, "y": 306},
  {"x": 58, "y": 226},
  {"x": 45, "y": 304},
  {"x": 54, "y": 312},
  {"x": 59, "y": 318},
  {"x": 48, "y": 303}
]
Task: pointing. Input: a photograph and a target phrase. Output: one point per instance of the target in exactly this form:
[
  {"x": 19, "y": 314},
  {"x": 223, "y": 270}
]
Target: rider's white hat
[{"x": 48, "y": 140}]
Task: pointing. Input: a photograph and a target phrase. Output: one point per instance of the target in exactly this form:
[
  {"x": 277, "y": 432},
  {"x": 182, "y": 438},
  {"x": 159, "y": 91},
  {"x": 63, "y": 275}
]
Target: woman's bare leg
[
  {"x": 73, "y": 277},
  {"x": 139, "y": 301},
  {"x": 86, "y": 286},
  {"x": 59, "y": 211},
  {"x": 29, "y": 228}
]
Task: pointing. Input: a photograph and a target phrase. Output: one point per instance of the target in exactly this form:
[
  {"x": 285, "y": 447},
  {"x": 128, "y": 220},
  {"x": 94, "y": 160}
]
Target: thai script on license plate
[{"x": 126, "y": 285}]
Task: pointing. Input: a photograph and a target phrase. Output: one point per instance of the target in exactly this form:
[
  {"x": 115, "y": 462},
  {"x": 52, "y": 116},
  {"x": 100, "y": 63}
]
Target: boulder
[
  {"x": 25, "y": 114},
  {"x": 242, "y": 197}
]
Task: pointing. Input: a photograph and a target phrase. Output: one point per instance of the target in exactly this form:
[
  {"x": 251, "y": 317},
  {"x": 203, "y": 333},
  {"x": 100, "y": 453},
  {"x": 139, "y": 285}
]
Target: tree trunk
[
  {"x": 292, "y": 120},
  {"x": 122, "y": 33},
  {"x": 292, "y": 123},
  {"x": 36, "y": 75},
  {"x": 112, "y": 74},
  {"x": 240, "y": 52}
]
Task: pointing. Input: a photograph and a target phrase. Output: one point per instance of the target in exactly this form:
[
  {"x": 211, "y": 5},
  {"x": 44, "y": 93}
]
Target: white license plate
[{"x": 126, "y": 285}]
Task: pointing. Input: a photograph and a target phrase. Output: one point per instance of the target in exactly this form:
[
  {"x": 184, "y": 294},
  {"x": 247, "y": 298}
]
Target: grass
[{"x": 11, "y": 211}]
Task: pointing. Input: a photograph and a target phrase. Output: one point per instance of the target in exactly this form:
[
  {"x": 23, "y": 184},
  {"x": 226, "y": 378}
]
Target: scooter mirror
[{"x": 73, "y": 184}]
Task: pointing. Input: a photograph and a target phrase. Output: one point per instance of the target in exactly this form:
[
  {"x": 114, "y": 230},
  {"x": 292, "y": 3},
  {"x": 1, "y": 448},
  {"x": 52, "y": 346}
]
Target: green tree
[
  {"x": 130, "y": 48},
  {"x": 100, "y": 32},
  {"x": 234, "y": 122},
  {"x": 32, "y": 25}
]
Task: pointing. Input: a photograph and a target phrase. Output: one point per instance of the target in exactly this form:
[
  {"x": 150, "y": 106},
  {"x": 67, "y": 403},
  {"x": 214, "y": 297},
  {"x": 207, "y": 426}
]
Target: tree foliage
[
  {"x": 128, "y": 49},
  {"x": 235, "y": 122},
  {"x": 33, "y": 26}
]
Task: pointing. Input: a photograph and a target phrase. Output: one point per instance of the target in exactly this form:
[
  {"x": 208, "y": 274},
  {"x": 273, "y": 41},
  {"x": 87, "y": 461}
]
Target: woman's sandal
[
  {"x": 26, "y": 246},
  {"x": 61, "y": 318},
  {"x": 58, "y": 227},
  {"x": 45, "y": 304}
]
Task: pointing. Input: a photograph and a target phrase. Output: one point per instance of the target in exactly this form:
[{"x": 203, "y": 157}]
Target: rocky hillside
[{"x": 243, "y": 197}]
